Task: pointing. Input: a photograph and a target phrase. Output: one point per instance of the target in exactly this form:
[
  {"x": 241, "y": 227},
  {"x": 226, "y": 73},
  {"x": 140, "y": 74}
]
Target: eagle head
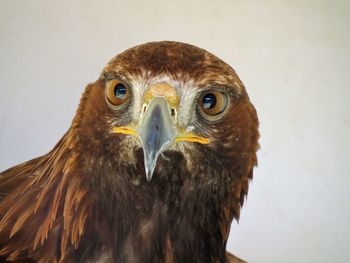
[{"x": 170, "y": 99}]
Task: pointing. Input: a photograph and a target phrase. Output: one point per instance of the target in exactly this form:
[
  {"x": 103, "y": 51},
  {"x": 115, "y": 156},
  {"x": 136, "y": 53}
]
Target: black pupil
[
  {"x": 209, "y": 101},
  {"x": 120, "y": 91}
]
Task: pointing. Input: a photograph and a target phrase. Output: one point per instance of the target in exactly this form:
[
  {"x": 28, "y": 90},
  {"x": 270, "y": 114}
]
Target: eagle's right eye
[{"x": 117, "y": 92}]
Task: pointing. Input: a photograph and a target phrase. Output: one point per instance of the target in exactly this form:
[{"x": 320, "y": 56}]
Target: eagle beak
[
  {"x": 157, "y": 129},
  {"x": 157, "y": 132}
]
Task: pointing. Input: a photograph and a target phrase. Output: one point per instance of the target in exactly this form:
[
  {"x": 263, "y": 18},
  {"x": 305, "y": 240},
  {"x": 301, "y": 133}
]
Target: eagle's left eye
[
  {"x": 117, "y": 92},
  {"x": 212, "y": 102}
]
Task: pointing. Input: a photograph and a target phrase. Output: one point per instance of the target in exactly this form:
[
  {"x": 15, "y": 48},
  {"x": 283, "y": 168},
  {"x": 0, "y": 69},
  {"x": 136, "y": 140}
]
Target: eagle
[{"x": 154, "y": 167}]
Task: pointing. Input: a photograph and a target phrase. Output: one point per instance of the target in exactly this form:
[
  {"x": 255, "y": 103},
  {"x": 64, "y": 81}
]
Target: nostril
[
  {"x": 172, "y": 112},
  {"x": 144, "y": 109}
]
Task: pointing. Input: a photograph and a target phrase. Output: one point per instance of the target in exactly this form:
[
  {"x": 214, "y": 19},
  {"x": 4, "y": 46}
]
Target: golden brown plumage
[{"x": 95, "y": 197}]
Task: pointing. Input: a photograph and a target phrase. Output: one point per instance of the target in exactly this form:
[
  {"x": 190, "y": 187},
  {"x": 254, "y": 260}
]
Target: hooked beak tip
[
  {"x": 149, "y": 167},
  {"x": 148, "y": 176}
]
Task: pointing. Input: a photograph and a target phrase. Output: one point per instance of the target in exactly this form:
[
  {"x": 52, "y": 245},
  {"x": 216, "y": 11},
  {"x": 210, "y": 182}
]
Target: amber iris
[
  {"x": 212, "y": 102},
  {"x": 117, "y": 92}
]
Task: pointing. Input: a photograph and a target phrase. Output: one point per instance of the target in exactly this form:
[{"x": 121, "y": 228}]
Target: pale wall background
[{"x": 293, "y": 56}]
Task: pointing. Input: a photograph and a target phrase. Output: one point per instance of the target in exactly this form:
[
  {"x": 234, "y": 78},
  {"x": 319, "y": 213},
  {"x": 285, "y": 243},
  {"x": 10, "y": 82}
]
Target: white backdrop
[{"x": 293, "y": 56}]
